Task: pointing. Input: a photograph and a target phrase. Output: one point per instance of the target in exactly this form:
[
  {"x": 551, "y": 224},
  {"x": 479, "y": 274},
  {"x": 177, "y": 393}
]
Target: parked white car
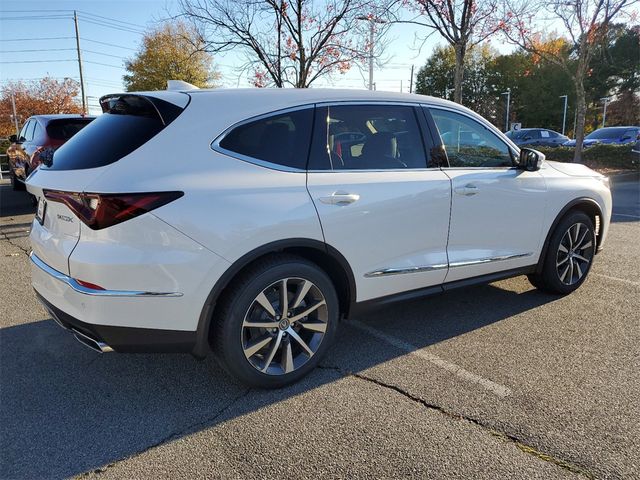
[{"x": 247, "y": 222}]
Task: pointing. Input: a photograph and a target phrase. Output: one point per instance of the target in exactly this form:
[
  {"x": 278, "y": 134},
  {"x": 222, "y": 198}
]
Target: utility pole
[
  {"x": 84, "y": 100},
  {"x": 564, "y": 115},
  {"x": 604, "y": 114},
  {"x": 15, "y": 114},
  {"x": 411, "y": 81},
  {"x": 506, "y": 120},
  {"x": 400, "y": 86}
]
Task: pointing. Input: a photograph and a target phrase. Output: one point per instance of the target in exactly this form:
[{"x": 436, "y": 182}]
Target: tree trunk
[
  {"x": 581, "y": 109},
  {"x": 458, "y": 75}
]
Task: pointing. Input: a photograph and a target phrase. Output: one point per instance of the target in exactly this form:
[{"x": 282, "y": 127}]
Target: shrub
[{"x": 598, "y": 156}]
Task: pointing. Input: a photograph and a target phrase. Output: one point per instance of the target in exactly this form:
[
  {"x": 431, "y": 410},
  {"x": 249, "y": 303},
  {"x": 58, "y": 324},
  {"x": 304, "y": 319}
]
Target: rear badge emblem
[{"x": 66, "y": 218}]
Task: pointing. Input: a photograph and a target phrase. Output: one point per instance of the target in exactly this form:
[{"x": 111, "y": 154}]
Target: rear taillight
[{"x": 102, "y": 210}]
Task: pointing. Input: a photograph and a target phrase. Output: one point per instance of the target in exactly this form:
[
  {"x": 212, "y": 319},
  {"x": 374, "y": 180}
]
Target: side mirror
[
  {"x": 530, "y": 160},
  {"x": 13, "y": 138}
]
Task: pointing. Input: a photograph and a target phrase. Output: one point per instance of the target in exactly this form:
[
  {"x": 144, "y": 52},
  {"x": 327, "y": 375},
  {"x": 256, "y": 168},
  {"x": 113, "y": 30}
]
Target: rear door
[
  {"x": 381, "y": 200},
  {"x": 497, "y": 210},
  {"x": 128, "y": 122}
]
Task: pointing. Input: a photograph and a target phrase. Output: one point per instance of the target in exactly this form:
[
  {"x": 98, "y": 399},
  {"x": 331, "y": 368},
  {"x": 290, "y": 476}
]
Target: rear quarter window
[
  {"x": 281, "y": 139},
  {"x": 66, "y": 128}
]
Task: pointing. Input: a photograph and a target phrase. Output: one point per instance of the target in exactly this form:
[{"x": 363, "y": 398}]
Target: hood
[{"x": 573, "y": 169}]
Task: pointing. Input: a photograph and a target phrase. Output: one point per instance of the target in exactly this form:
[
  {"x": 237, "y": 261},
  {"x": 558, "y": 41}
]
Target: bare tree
[
  {"x": 585, "y": 22},
  {"x": 286, "y": 43},
  {"x": 462, "y": 23}
]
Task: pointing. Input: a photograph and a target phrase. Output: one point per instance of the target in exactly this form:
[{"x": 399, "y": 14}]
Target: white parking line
[
  {"x": 495, "y": 388},
  {"x": 624, "y": 280}
]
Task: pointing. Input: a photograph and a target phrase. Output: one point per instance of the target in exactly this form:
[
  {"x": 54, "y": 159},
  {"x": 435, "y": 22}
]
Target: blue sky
[{"x": 49, "y": 42}]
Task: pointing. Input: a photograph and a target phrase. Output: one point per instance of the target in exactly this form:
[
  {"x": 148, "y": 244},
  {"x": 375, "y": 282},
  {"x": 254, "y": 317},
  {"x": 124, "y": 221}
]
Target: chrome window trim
[
  {"x": 215, "y": 144},
  {"x": 429, "y": 268},
  {"x": 93, "y": 292}
]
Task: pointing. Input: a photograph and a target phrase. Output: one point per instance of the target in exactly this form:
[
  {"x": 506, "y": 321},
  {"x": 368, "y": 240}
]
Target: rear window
[
  {"x": 128, "y": 122},
  {"x": 282, "y": 139},
  {"x": 64, "y": 129}
]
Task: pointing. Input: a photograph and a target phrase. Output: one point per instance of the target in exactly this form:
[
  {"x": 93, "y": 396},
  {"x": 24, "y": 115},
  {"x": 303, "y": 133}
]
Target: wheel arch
[
  {"x": 323, "y": 255},
  {"x": 586, "y": 205}
]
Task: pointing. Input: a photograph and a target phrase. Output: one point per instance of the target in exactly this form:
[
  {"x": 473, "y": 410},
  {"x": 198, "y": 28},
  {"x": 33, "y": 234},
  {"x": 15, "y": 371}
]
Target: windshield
[{"x": 606, "y": 133}]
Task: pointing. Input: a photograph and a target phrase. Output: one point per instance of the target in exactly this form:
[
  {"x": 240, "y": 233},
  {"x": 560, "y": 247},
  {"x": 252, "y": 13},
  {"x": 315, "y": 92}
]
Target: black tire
[
  {"x": 16, "y": 184},
  {"x": 229, "y": 332},
  {"x": 562, "y": 273}
]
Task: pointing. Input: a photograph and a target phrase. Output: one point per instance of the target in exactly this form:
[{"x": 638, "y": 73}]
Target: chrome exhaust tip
[{"x": 92, "y": 343}]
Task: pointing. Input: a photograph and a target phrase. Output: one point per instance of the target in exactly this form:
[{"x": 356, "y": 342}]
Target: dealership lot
[{"x": 497, "y": 380}]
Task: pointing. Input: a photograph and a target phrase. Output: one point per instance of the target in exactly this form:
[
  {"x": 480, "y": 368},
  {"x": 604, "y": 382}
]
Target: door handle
[
  {"x": 340, "y": 198},
  {"x": 468, "y": 190}
]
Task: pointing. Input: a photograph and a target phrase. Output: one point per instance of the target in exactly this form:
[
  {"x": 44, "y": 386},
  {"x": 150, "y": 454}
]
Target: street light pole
[
  {"x": 604, "y": 114},
  {"x": 506, "y": 121},
  {"x": 564, "y": 115},
  {"x": 372, "y": 31}
]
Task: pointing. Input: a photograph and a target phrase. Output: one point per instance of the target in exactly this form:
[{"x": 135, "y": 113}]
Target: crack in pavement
[
  {"x": 8, "y": 240},
  {"x": 519, "y": 443},
  {"x": 172, "y": 436}
]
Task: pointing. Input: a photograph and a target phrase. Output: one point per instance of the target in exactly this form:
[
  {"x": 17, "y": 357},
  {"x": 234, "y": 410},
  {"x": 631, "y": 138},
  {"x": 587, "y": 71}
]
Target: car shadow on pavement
[
  {"x": 67, "y": 410},
  {"x": 14, "y": 202}
]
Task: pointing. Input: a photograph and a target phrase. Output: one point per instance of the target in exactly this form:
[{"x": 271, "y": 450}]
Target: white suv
[{"x": 247, "y": 222}]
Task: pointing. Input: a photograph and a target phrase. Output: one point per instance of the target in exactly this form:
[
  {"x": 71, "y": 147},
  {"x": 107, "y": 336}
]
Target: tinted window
[
  {"x": 602, "y": 133},
  {"x": 129, "y": 121},
  {"x": 64, "y": 129},
  {"x": 281, "y": 139},
  {"x": 361, "y": 137},
  {"x": 469, "y": 143}
]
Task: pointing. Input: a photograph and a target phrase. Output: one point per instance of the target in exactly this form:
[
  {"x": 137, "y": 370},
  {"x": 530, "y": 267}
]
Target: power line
[
  {"x": 34, "y": 39},
  {"x": 39, "y": 50},
  {"x": 111, "y": 19},
  {"x": 41, "y": 61},
  {"x": 107, "y": 44},
  {"x": 103, "y": 64},
  {"x": 36, "y": 17},
  {"x": 100, "y": 53},
  {"x": 115, "y": 27}
]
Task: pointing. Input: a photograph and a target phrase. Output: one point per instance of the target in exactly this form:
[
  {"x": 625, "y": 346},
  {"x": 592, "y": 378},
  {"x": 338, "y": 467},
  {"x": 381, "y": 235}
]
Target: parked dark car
[
  {"x": 609, "y": 136},
  {"x": 541, "y": 137},
  {"x": 39, "y": 137}
]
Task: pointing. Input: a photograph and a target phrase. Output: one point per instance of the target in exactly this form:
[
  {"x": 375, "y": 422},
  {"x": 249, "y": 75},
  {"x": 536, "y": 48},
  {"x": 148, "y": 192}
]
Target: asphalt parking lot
[{"x": 496, "y": 381}]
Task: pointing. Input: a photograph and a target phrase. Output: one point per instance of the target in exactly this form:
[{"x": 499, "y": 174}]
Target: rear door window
[
  {"x": 282, "y": 139},
  {"x": 128, "y": 122},
  {"x": 367, "y": 137}
]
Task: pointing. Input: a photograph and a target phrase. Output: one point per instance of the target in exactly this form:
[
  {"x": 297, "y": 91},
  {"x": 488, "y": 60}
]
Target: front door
[
  {"x": 379, "y": 203},
  {"x": 497, "y": 210}
]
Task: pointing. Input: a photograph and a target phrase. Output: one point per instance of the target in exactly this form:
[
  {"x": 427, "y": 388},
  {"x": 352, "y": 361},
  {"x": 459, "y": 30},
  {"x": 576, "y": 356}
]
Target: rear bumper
[
  {"x": 102, "y": 319},
  {"x": 124, "y": 339}
]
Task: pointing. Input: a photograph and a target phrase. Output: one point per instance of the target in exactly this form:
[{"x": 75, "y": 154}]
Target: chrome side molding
[
  {"x": 402, "y": 271},
  {"x": 429, "y": 268},
  {"x": 95, "y": 292},
  {"x": 489, "y": 260}
]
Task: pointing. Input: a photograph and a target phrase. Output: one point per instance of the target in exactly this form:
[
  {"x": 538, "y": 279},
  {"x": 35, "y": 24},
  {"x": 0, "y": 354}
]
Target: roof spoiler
[{"x": 180, "y": 85}]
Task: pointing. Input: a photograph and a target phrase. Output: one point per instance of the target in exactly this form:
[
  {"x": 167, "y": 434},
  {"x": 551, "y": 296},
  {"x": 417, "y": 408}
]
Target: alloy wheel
[
  {"x": 284, "y": 326},
  {"x": 575, "y": 253}
]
